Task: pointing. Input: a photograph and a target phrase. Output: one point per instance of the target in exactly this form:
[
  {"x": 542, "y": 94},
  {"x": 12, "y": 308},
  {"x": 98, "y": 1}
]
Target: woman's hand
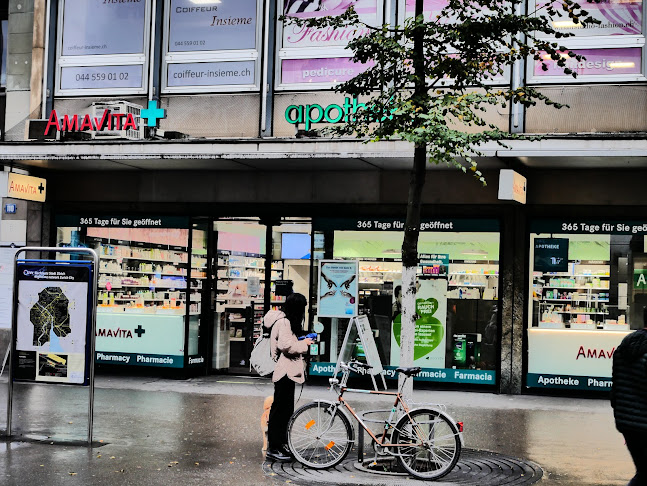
[{"x": 309, "y": 341}]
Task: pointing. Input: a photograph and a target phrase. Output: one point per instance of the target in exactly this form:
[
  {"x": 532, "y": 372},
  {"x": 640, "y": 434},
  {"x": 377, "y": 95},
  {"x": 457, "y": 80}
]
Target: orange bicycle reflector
[
  {"x": 310, "y": 424},
  {"x": 460, "y": 426},
  {"x": 330, "y": 445}
]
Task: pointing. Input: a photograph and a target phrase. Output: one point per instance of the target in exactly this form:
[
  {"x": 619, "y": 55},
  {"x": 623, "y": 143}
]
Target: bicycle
[{"x": 426, "y": 441}]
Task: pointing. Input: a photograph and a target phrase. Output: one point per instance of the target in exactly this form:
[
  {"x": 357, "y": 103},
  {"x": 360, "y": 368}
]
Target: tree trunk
[
  {"x": 412, "y": 225},
  {"x": 410, "y": 263}
]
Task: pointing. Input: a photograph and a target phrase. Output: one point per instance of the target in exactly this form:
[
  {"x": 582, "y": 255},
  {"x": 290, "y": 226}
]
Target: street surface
[{"x": 151, "y": 431}]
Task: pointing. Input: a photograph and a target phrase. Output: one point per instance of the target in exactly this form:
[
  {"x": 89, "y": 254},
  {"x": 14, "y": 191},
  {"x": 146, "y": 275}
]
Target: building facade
[{"x": 174, "y": 138}]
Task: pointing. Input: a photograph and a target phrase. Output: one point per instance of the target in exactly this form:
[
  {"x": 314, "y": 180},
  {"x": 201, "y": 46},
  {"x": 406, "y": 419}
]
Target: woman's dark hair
[{"x": 295, "y": 309}]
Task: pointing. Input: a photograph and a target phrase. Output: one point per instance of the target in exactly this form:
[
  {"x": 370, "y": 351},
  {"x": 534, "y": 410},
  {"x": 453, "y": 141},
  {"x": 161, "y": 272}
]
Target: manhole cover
[{"x": 480, "y": 468}]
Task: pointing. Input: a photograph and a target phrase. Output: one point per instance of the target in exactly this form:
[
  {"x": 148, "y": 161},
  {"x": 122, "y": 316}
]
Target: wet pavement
[{"x": 151, "y": 431}]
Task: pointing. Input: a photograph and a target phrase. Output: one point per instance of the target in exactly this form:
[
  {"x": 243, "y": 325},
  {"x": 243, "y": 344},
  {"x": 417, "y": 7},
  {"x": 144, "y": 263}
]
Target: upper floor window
[{"x": 103, "y": 47}]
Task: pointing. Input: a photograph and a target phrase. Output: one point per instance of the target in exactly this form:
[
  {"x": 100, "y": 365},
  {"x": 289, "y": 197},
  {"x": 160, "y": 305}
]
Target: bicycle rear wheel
[
  {"x": 429, "y": 443},
  {"x": 319, "y": 435}
]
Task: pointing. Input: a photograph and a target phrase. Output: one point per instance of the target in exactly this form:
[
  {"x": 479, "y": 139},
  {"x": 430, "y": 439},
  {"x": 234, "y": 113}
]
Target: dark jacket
[{"x": 629, "y": 390}]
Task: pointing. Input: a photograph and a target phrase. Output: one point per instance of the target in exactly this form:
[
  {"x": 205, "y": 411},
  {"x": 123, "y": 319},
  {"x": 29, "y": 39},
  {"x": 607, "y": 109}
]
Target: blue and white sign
[
  {"x": 211, "y": 73},
  {"x": 338, "y": 289},
  {"x": 10, "y": 208},
  {"x": 212, "y": 26},
  {"x": 101, "y": 77},
  {"x": 99, "y": 27}
]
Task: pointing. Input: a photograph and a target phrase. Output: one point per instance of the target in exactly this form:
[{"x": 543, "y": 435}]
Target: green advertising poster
[{"x": 429, "y": 340}]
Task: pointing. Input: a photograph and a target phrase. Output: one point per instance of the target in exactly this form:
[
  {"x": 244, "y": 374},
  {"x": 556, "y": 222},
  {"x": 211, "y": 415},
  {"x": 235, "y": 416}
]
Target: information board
[
  {"x": 213, "y": 26},
  {"x": 99, "y": 27},
  {"x": 53, "y": 324},
  {"x": 338, "y": 290}
]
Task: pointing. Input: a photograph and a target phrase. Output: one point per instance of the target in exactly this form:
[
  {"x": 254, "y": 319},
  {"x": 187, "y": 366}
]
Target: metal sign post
[
  {"x": 362, "y": 331},
  {"x": 37, "y": 360}
]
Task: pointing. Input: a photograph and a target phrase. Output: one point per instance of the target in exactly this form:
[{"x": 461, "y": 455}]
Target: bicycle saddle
[{"x": 410, "y": 371}]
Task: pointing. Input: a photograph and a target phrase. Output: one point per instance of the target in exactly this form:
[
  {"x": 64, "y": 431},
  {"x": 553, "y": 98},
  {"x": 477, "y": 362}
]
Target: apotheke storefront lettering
[{"x": 333, "y": 113}]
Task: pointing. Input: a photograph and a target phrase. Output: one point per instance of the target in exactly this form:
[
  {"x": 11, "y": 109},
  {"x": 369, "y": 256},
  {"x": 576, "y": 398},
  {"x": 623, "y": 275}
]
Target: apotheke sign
[{"x": 333, "y": 113}]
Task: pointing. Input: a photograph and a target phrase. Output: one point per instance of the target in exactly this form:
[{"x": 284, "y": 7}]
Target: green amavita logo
[{"x": 333, "y": 113}]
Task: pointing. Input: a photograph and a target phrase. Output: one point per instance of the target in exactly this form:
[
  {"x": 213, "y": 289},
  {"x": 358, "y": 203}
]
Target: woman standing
[{"x": 286, "y": 327}]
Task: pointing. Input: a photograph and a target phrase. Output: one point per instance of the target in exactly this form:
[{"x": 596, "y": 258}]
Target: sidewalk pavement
[{"x": 152, "y": 431}]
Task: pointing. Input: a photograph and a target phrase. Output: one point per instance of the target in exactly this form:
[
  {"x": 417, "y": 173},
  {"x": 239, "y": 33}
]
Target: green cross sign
[{"x": 152, "y": 113}]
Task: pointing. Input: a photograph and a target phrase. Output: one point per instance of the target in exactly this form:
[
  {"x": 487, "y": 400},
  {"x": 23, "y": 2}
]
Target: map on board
[
  {"x": 50, "y": 313},
  {"x": 53, "y": 325},
  {"x": 52, "y": 317}
]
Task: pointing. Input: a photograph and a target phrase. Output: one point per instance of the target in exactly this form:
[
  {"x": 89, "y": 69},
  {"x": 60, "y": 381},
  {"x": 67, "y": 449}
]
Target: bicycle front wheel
[
  {"x": 319, "y": 435},
  {"x": 428, "y": 444}
]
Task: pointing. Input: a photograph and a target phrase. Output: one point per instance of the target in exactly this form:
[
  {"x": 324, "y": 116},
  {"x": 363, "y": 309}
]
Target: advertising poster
[
  {"x": 213, "y": 26},
  {"x": 99, "y": 27},
  {"x": 434, "y": 264},
  {"x": 338, "y": 289},
  {"x": 295, "y": 36},
  {"x": 52, "y": 323},
  {"x": 550, "y": 255},
  {"x": 429, "y": 340}
]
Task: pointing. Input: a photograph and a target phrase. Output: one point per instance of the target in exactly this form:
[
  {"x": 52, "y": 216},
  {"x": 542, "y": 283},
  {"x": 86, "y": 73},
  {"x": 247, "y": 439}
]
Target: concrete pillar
[
  {"x": 512, "y": 275},
  {"x": 19, "y": 62}
]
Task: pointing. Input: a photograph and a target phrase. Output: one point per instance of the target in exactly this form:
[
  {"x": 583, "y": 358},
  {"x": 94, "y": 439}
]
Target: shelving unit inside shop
[
  {"x": 576, "y": 299},
  {"x": 140, "y": 277}
]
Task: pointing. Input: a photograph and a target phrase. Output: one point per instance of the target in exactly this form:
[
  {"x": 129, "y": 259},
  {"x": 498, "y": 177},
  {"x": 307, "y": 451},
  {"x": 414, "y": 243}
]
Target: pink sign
[
  {"x": 238, "y": 242},
  {"x": 296, "y": 36},
  {"x": 430, "y": 8},
  {"x": 327, "y": 8},
  {"x": 329, "y": 71},
  {"x": 598, "y": 62},
  {"x": 617, "y": 17}
]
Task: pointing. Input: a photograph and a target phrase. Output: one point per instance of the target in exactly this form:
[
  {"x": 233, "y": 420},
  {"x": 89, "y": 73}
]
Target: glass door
[{"x": 240, "y": 263}]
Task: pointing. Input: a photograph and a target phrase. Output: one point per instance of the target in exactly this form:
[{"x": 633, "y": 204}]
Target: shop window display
[
  {"x": 587, "y": 293},
  {"x": 150, "y": 290},
  {"x": 458, "y": 290}
]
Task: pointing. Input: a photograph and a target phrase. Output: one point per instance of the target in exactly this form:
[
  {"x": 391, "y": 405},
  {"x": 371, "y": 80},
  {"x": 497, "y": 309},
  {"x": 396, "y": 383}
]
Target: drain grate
[{"x": 480, "y": 468}]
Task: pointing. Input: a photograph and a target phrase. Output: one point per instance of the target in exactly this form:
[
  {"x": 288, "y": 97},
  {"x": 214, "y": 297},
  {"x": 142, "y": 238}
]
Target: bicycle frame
[{"x": 340, "y": 388}]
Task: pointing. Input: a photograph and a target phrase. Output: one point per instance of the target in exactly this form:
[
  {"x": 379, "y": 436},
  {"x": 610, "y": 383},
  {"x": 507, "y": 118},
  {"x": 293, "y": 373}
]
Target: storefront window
[
  {"x": 212, "y": 45},
  {"x": 587, "y": 284},
  {"x": 612, "y": 48},
  {"x": 317, "y": 58},
  {"x": 107, "y": 57},
  {"x": 458, "y": 289},
  {"x": 147, "y": 300}
]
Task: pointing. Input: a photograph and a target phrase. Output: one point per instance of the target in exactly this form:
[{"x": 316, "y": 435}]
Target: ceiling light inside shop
[
  {"x": 392, "y": 251},
  {"x": 566, "y": 24},
  {"x": 617, "y": 65},
  {"x": 205, "y": 2},
  {"x": 475, "y": 253}
]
